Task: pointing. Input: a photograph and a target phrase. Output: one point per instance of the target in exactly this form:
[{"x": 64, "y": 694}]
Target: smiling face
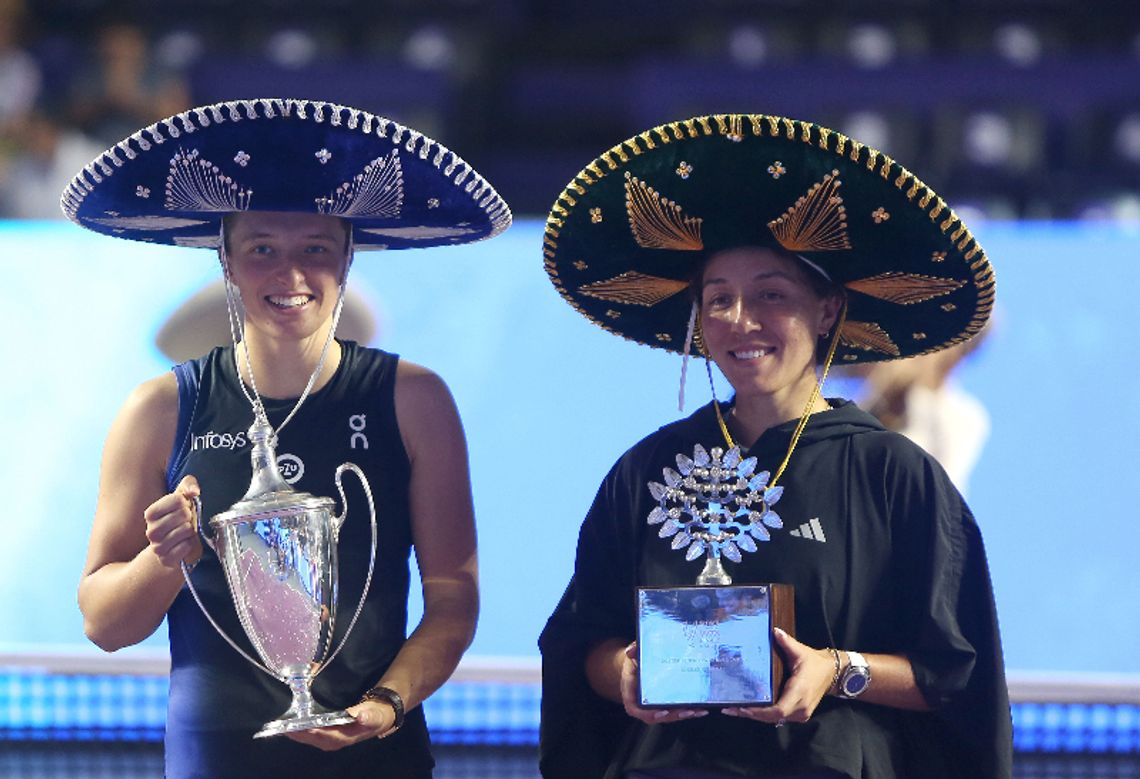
[
  {"x": 761, "y": 319},
  {"x": 288, "y": 268}
]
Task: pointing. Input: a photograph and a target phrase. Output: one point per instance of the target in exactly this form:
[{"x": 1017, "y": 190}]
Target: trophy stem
[
  {"x": 713, "y": 573},
  {"x": 304, "y": 713}
]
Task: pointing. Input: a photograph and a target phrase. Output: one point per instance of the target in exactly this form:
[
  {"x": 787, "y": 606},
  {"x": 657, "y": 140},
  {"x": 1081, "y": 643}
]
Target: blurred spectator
[
  {"x": 124, "y": 88},
  {"x": 20, "y": 77},
  {"x": 45, "y": 154},
  {"x": 918, "y": 398}
]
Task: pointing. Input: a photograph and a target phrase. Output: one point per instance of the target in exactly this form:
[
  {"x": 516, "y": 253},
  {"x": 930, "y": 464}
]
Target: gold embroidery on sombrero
[
  {"x": 378, "y": 190},
  {"x": 905, "y": 288},
  {"x": 658, "y": 223},
  {"x": 868, "y": 336},
  {"x": 635, "y": 288},
  {"x": 196, "y": 184},
  {"x": 147, "y": 222},
  {"x": 734, "y": 130},
  {"x": 817, "y": 221}
]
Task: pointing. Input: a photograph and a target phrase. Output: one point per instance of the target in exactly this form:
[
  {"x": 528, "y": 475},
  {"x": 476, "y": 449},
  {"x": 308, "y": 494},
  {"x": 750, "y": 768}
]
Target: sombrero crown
[
  {"x": 174, "y": 181},
  {"x": 624, "y": 239}
]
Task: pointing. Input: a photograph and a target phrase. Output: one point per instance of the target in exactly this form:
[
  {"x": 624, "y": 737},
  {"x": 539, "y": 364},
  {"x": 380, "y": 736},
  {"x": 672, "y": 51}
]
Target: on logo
[
  {"x": 357, "y": 422},
  {"x": 291, "y": 467}
]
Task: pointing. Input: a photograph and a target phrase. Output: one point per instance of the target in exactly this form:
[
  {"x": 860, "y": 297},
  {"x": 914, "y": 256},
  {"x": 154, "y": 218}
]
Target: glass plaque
[{"x": 711, "y": 646}]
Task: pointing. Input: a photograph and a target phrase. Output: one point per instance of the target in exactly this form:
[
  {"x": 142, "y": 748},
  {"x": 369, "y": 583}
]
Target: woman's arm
[
  {"x": 140, "y": 534},
  {"x": 443, "y": 531},
  {"x": 811, "y": 676}
]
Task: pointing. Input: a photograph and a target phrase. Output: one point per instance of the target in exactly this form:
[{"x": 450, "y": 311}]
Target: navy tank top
[{"x": 217, "y": 698}]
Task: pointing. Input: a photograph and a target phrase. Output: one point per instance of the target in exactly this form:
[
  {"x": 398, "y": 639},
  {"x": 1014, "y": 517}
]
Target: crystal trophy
[
  {"x": 278, "y": 548},
  {"x": 711, "y": 645}
]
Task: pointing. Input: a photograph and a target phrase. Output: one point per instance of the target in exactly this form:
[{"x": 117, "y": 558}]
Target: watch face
[{"x": 854, "y": 684}]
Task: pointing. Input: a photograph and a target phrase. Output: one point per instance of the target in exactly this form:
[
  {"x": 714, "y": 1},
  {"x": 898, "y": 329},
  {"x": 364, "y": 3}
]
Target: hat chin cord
[{"x": 237, "y": 325}]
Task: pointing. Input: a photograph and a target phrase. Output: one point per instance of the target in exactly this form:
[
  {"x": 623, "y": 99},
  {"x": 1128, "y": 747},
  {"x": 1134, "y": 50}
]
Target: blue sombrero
[{"x": 172, "y": 182}]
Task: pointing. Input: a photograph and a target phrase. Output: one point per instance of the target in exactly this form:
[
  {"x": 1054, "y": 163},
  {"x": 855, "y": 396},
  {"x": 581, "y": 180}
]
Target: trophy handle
[
  {"x": 200, "y": 526},
  {"x": 197, "y": 598},
  {"x": 336, "y": 524}
]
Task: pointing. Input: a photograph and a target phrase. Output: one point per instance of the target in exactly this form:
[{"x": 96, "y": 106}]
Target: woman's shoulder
[
  {"x": 147, "y": 420},
  {"x": 865, "y": 432},
  {"x": 155, "y": 396}
]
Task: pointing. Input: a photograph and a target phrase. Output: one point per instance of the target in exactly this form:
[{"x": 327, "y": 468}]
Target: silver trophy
[
  {"x": 711, "y": 645},
  {"x": 278, "y": 549}
]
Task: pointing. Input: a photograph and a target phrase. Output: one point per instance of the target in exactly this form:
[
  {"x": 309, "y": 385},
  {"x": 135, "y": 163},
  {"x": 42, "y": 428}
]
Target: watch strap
[{"x": 392, "y": 698}]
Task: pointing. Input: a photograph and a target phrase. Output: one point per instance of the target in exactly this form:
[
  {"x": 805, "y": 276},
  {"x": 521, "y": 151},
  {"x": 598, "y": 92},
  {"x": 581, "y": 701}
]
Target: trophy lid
[{"x": 268, "y": 493}]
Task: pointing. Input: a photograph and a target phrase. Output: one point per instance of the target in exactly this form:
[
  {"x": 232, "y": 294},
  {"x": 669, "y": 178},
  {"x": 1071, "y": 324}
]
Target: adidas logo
[{"x": 810, "y": 530}]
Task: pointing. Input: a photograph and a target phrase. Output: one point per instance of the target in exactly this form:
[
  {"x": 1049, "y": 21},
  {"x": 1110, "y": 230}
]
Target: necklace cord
[
  {"x": 237, "y": 325},
  {"x": 816, "y": 392}
]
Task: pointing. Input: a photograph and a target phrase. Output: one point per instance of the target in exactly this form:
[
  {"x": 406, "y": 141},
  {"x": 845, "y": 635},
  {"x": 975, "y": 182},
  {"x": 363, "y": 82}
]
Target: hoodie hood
[{"x": 842, "y": 420}]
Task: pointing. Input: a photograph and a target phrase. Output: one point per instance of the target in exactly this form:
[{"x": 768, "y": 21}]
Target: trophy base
[
  {"x": 711, "y": 646},
  {"x": 287, "y": 724}
]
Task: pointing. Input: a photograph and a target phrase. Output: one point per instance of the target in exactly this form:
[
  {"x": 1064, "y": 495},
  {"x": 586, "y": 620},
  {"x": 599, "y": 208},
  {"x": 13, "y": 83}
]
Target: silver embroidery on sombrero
[
  {"x": 658, "y": 223},
  {"x": 150, "y": 138},
  {"x": 423, "y": 232},
  {"x": 197, "y": 241},
  {"x": 196, "y": 184},
  {"x": 146, "y": 222},
  {"x": 378, "y": 190},
  {"x": 868, "y": 336},
  {"x": 634, "y": 288},
  {"x": 817, "y": 222},
  {"x": 905, "y": 288}
]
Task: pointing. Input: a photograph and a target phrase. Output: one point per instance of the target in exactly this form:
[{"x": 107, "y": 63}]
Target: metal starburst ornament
[{"x": 715, "y": 503}]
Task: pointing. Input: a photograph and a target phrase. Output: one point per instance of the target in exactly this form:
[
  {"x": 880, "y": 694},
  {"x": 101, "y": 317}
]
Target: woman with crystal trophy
[
  {"x": 772, "y": 248},
  {"x": 292, "y": 617}
]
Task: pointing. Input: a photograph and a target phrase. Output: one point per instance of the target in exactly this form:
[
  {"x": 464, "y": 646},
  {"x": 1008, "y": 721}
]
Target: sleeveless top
[{"x": 218, "y": 699}]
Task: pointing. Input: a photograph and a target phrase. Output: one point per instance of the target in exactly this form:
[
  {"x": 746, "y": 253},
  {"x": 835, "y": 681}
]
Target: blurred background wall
[
  {"x": 1026, "y": 109},
  {"x": 1023, "y": 114}
]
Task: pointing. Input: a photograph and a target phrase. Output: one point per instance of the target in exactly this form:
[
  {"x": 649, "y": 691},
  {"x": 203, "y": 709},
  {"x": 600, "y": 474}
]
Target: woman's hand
[
  {"x": 374, "y": 719},
  {"x": 812, "y": 672},
  {"x": 171, "y": 525},
  {"x": 631, "y": 695}
]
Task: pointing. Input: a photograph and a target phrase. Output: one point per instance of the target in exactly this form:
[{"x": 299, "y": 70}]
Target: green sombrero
[{"x": 625, "y": 237}]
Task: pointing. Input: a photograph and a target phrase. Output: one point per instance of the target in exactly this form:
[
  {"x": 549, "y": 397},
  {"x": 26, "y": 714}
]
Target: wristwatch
[
  {"x": 392, "y": 698},
  {"x": 856, "y": 678}
]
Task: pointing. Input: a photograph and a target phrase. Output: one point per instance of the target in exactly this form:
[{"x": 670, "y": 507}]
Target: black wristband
[{"x": 392, "y": 698}]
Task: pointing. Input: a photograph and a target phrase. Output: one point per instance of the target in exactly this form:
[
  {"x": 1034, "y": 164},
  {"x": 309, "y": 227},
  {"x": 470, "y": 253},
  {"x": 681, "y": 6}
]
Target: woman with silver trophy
[
  {"x": 220, "y": 474},
  {"x": 772, "y": 248}
]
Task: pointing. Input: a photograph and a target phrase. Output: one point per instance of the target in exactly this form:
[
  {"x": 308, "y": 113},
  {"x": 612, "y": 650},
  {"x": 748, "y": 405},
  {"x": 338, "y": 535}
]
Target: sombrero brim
[
  {"x": 174, "y": 181},
  {"x": 202, "y": 322},
  {"x": 624, "y": 239}
]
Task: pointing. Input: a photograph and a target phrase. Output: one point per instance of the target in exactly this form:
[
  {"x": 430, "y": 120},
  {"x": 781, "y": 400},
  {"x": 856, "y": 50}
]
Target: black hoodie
[{"x": 885, "y": 557}]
